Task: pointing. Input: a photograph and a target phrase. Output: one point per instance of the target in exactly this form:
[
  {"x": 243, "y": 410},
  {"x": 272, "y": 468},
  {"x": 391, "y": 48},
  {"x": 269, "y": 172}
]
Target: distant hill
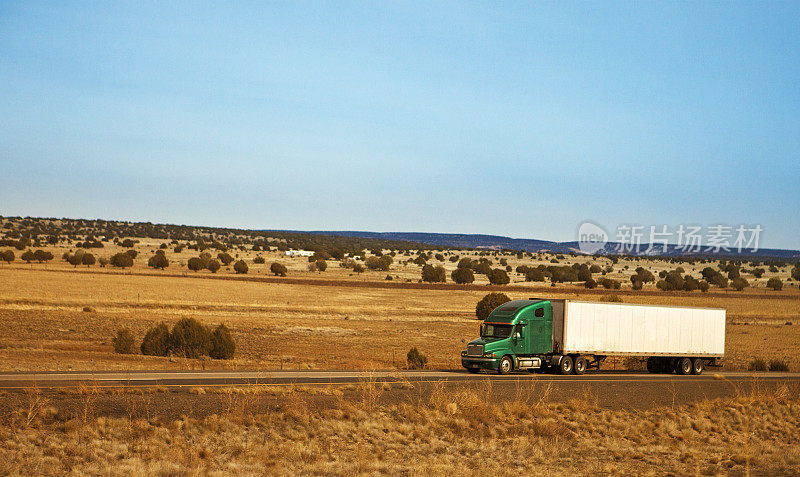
[{"x": 498, "y": 242}]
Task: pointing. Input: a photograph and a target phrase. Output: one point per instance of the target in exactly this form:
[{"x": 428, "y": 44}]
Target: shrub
[
  {"x": 156, "y": 341},
  {"x": 42, "y": 256},
  {"x": 535, "y": 275},
  {"x": 28, "y": 256},
  {"x": 213, "y": 265},
  {"x": 132, "y": 253},
  {"x": 498, "y": 276},
  {"x": 703, "y": 286},
  {"x": 778, "y": 365},
  {"x": 415, "y": 359},
  {"x": 88, "y": 259},
  {"x": 612, "y": 298},
  {"x": 462, "y": 275},
  {"x": 637, "y": 283},
  {"x": 739, "y": 284},
  {"x": 358, "y": 268},
  {"x": 278, "y": 269},
  {"x": 195, "y": 264},
  {"x": 222, "y": 344},
  {"x": 775, "y": 283},
  {"x": 488, "y": 303},
  {"x": 122, "y": 260},
  {"x": 433, "y": 274},
  {"x": 159, "y": 260},
  {"x": 609, "y": 284},
  {"x": 465, "y": 262},
  {"x": 757, "y": 364},
  {"x": 8, "y": 256},
  {"x": 124, "y": 342},
  {"x": 240, "y": 267},
  {"x": 259, "y": 259},
  {"x": 590, "y": 283},
  {"x": 225, "y": 258},
  {"x": 189, "y": 338}
]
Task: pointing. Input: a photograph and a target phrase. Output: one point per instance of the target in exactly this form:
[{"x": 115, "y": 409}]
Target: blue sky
[{"x": 520, "y": 119}]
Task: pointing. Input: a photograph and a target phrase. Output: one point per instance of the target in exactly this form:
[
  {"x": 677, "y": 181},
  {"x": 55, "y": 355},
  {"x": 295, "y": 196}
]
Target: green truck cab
[{"x": 516, "y": 335}]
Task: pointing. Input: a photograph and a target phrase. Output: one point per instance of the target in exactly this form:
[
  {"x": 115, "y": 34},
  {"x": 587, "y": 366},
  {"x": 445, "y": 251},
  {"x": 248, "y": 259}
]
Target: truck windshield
[{"x": 496, "y": 331}]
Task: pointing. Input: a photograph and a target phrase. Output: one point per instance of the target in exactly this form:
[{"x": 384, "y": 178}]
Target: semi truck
[{"x": 570, "y": 337}]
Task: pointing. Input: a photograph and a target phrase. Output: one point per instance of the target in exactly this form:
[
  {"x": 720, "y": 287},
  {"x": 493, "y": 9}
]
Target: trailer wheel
[
  {"x": 580, "y": 365},
  {"x": 653, "y": 365},
  {"x": 565, "y": 366},
  {"x": 684, "y": 366},
  {"x": 505, "y": 366},
  {"x": 697, "y": 366}
]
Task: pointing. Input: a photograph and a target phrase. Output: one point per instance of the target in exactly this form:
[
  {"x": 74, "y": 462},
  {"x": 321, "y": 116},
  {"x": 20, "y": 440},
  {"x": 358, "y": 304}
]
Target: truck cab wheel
[
  {"x": 684, "y": 366},
  {"x": 580, "y": 365},
  {"x": 697, "y": 366},
  {"x": 565, "y": 366},
  {"x": 505, "y": 366}
]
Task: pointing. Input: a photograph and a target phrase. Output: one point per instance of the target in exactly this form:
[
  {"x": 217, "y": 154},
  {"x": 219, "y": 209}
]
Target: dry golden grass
[
  {"x": 302, "y": 326},
  {"x": 463, "y": 430}
]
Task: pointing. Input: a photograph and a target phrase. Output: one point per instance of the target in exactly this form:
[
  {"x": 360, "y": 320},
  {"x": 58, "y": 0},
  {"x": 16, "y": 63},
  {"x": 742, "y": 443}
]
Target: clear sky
[{"x": 520, "y": 119}]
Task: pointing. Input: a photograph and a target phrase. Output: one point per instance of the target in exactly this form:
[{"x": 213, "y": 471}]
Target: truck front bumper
[{"x": 482, "y": 363}]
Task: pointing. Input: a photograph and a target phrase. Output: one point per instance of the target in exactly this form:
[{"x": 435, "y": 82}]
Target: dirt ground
[{"x": 339, "y": 324}]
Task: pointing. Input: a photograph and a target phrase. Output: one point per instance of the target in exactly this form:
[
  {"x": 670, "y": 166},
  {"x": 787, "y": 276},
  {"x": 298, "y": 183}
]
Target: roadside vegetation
[{"x": 444, "y": 430}]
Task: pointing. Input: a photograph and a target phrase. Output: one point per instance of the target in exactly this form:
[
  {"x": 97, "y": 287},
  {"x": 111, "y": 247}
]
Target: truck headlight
[
  {"x": 464, "y": 353},
  {"x": 488, "y": 355}
]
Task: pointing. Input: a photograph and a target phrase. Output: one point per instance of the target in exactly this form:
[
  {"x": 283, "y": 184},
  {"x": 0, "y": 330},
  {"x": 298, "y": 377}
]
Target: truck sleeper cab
[{"x": 573, "y": 336}]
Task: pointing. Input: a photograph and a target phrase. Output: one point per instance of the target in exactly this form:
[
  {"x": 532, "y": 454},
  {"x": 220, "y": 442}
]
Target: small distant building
[{"x": 299, "y": 253}]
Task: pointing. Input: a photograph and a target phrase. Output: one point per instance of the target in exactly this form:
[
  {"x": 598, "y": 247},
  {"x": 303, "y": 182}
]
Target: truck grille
[{"x": 474, "y": 350}]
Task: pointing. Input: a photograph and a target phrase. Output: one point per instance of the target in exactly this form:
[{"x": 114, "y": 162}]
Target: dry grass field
[
  {"x": 466, "y": 430},
  {"x": 335, "y": 319}
]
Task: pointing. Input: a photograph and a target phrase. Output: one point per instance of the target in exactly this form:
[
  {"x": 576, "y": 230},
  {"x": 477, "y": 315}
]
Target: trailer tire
[
  {"x": 684, "y": 366},
  {"x": 697, "y": 366},
  {"x": 565, "y": 365},
  {"x": 506, "y": 365},
  {"x": 580, "y": 365}
]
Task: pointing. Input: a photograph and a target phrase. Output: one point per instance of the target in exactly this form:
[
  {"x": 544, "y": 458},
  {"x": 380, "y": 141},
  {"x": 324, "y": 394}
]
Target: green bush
[
  {"x": 225, "y": 258},
  {"x": 358, "y": 268},
  {"x": 488, "y": 303},
  {"x": 778, "y": 365},
  {"x": 415, "y": 359},
  {"x": 739, "y": 284},
  {"x": 213, "y": 265},
  {"x": 278, "y": 269},
  {"x": 222, "y": 344},
  {"x": 259, "y": 259},
  {"x": 462, "y": 275},
  {"x": 189, "y": 338},
  {"x": 195, "y": 264},
  {"x": 321, "y": 265},
  {"x": 757, "y": 364},
  {"x": 159, "y": 260},
  {"x": 775, "y": 283},
  {"x": 433, "y": 274},
  {"x": 156, "y": 341},
  {"x": 121, "y": 260},
  {"x": 240, "y": 267},
  {"x": 498, "y": 276},
  {"x": 590, "y": 283},
  {"x": 8, "y": 256},
  {"x": 124, "y": 342}
]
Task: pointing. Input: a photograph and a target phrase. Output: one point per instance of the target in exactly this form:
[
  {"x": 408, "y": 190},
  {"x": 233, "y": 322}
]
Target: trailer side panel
[{"x": 642, "y": 330}]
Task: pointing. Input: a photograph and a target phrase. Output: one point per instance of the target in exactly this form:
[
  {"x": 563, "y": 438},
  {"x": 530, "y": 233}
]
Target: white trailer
[{"x": 676, "y": 338}]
